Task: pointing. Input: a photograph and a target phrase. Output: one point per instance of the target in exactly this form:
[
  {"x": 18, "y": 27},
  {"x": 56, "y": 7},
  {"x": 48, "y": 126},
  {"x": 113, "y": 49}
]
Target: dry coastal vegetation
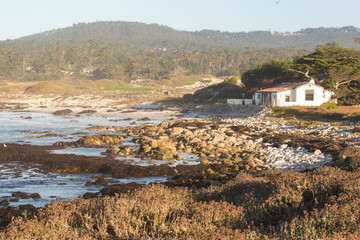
[{"x": 323, "y": 203}]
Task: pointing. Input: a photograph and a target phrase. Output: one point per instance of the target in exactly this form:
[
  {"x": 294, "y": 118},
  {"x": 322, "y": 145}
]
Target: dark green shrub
[{"x": 188, "y": 97}]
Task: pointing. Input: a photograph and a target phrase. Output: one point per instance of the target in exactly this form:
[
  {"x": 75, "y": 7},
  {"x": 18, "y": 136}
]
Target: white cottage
[{"x": 288, "y": 94}]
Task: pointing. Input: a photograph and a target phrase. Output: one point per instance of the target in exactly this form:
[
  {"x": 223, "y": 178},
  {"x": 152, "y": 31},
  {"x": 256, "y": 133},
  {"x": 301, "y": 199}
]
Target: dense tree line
[
  {"x": 112, "y": 62},
  {"x": 330, "y": 65},
  {"x": 125, "y": 50}
]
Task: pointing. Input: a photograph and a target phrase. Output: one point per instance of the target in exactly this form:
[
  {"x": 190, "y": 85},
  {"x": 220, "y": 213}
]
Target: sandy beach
[
  {"x": 110, "y": 105},
  {"x": 134, "y": 106}
]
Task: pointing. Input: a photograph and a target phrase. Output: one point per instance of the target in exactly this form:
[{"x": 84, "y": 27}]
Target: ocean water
[
  {"x": 52, "y": 186},
  {"x": 13, "y": 123},
  {"x": 18, "y": 177}
]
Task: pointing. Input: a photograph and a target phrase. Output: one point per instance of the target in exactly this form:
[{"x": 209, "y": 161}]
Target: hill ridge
[{"x": 162, "y": 35}]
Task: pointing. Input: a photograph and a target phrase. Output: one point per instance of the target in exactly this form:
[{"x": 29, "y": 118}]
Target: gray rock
[{"x": 4, "y": 203}]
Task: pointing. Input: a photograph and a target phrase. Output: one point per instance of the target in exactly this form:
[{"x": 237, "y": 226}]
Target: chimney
[{"x": 312, "y": 81}]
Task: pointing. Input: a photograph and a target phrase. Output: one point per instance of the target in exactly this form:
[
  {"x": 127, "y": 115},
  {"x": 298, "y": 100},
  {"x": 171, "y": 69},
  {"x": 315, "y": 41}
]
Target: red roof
[{"x": 286, "y": 86}]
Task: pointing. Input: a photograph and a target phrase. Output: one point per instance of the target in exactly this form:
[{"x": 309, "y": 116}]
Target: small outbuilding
[{"x": 288, "y": 94}]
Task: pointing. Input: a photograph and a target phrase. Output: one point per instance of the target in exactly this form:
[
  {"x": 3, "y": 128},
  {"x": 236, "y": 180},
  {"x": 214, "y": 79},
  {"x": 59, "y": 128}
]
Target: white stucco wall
[
  {"x": 281, "y": 97},
  {"x": 320, "y": 96},
  {"x": 328, "y": 95}
]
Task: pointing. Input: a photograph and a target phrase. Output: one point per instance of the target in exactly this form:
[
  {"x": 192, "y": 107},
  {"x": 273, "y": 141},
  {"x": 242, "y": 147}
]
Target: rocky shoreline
[
  {"x": 248, "y": 146},
  {"x": 236, "y": 138}
]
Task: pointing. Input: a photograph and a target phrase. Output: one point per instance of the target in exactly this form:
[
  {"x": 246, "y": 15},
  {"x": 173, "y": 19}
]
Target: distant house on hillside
[{"x": 288, "y": 94}]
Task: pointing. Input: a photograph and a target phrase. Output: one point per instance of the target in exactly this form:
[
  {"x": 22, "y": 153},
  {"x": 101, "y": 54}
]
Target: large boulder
[
  {"x": 63, "y": 112},
  {"x": 175, "y": 131},
  {"x": 157, "y": 149},
  {"x": 103, "y": 139}
]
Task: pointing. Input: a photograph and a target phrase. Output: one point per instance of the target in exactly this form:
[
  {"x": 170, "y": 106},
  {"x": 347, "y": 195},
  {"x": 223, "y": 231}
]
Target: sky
[{"x": 19, "y": 18}]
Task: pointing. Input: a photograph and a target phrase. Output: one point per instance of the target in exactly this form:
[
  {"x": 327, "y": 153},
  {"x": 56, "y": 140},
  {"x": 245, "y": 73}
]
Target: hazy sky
[{"x": 20, "y": 18}]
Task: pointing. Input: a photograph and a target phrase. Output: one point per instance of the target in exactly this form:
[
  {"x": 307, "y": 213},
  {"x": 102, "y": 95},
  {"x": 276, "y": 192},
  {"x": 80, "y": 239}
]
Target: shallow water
[
  {"x": 51, "y": 186},
  {"x": 189, "y": 159},
  {"x": 13, "y": 123},
  {"x": 95, "y": 152}
]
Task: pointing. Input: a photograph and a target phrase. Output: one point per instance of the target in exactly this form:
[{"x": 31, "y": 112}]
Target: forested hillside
[
  {"x": 124, "y": 50},
  {"x": 147, "y": 36}
]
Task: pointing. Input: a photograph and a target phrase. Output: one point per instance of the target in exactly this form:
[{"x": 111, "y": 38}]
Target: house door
[{"x": 267, "y": 99}]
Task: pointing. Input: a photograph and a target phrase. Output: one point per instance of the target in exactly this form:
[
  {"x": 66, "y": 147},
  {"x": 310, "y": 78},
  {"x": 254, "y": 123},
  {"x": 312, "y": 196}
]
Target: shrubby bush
[
  {"x": 320, "y": 204},
  {"x": 188, "y": 97},
  {"x": 329, "y": 105}
]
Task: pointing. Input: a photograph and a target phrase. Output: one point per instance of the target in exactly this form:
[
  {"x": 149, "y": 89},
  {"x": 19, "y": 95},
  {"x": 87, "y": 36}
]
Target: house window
[
  {"x": 287, "y": 98},
  {"x": 309, "y": 95},
  {"x": 258, "y": 96}
]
